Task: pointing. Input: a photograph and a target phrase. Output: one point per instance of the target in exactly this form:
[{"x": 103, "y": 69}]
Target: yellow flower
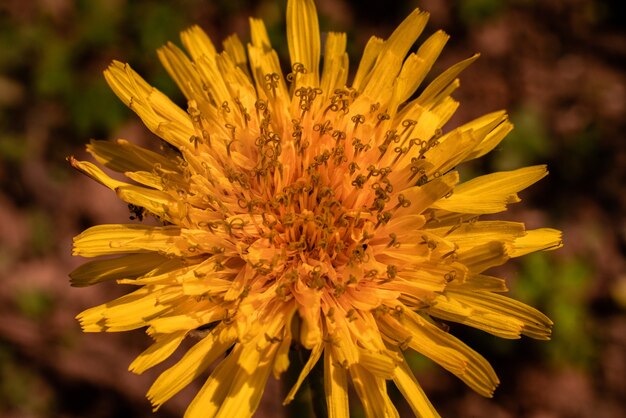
[{"x": 302, "y": 210}]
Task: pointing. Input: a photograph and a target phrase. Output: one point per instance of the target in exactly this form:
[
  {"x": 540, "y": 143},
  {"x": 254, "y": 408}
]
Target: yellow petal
[
  {"x": 335, "y": 71},
  {"x": 197, "y": 43},
  {"x": 125, "y": 267},
  {"x": 379, "y": 364},
  {"x": 492, "y": 192},
  {"x": 491, "y": 308},
  {"x": 209, "y": 399},
  {"x": 303, "y": 38},
  {"x": 247, "y": 387},
  {"x": 417, "y": 66},
  {"x": 452, "y": 151},
  {"x": 117, "y": 238},
  {"x": 182, "y": 71},
  {"x": 155, "y": 181},
  {"x": 452, "y": 308},
  {"x": 236, "y": 51},
  {"x": 413, "y": 393},
  {"x": 480, "y": 282},
  {"x": 316, "y": 352},
  {"x": 368, "y": 59},
  {"x": 423, "y": 197},
  {"x": 541, "y": 239},
  {"x": 335, "y": 387},
  {"x": 213, "y": 80},
  {"x": 484, "y": 256},
  {"x": 281, "y": 364},
  {"x": 372, "y": 391},
  {"x": 433, "y": 92},
  {"x": 472, "y": 234},
  {"x": 195, "y": 361},
  {"x": 125, "y": 313},
  {"x": 491, "y": 128},
  {"x": 95, "y": 173},
  {"x": 155, "y": 109},
  {"x": 389, "y": 61},
  {"x": 186, "y": 321},
  {"x": 309, "y": 310},
  {"x": 426, "y": 56},
  {"x": 446, "y": 350},
  {"x": 161, "y": 349},
  {"x": 155, "y": 201},
  {"x": 122, "y": 156}
]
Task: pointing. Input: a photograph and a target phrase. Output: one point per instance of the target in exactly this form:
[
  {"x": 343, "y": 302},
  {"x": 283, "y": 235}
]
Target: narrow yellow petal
[
  {"x": 240, "y": 86},
  {"x": 195, "y": 361},
  {"x": 211, "y": 396},
  {"x": 492, "y": 308},
  {"x": 160, "y": 350},
  {"x": 472, "y": 234},
  {"x": 541, "y": 239},
  {"x": 372, "y": 391},
  {"x": 95, "y": 173},
  {"x": 484, "y": 256},
  {"x": 492, "y": 192},
  {"x": 453, "y": 308},
  {"x": 313, "y": 358},
  {"x": 480, "y": 282},
  {"x": 154, "y": 180},
  {"x": 125, "y": 267},
  {"x": 213, "y": 79},
  {"x": 117, "y": 238},
  {"x": 417, "y": 66},
  {"x": 155, "y": 201},
  {"x": 125, "y": 313},
  {"x": 423, "y": 197},
  {"x": 491, "y": 128},
  {"x": 186, "y": 321},
  {"x": 281, "y": 364},
  {"x": 335, "y": 387},
  {"x": 182, "y": 71},
  {"x": 335, "y": 71},
  {"x": 449, "y": 153},
  {"x": 413, "y": 393},
  {"x": 122, "y": 156},
  {"x": 389, "y": 61},
  {"x": 197, "y": 43},
  {"x": 155, "y": 109},
  {"x": 379, "y": 364},
  {"x": 264, "y": 62},
  {"x": 372, "y": 49},
  {"x": 247, "y": 387},
  {"x": 415, "y": 72},
  {"x": 438, "y": 85},
  {"x": 236, "y": 51},
  {"x": 446, "y": 350},
  {"x": 303, "y": 38}
]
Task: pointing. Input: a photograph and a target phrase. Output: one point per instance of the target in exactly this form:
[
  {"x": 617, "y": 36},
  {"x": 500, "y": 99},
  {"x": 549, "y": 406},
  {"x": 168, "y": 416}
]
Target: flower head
[{"x": 304, "y": 209}]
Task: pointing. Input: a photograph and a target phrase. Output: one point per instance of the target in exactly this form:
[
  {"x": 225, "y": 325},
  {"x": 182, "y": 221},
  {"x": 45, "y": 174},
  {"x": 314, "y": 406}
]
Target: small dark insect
[{"x": 136, "y": 212}]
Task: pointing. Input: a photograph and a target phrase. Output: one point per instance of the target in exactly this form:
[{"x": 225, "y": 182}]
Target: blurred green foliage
[
  {"x": 474, "y": 12},
  {"x": 34, "y": 303},
  {"x": 18, "y": 383},
  {"x": 527, "y": 144},
  {"x": 561, "y": 289},
  {"x": 41, "y": 229}
]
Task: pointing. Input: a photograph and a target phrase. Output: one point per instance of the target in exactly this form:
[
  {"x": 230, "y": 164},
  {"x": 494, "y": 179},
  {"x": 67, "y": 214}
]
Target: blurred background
[{"x": 558, "y": 67}]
